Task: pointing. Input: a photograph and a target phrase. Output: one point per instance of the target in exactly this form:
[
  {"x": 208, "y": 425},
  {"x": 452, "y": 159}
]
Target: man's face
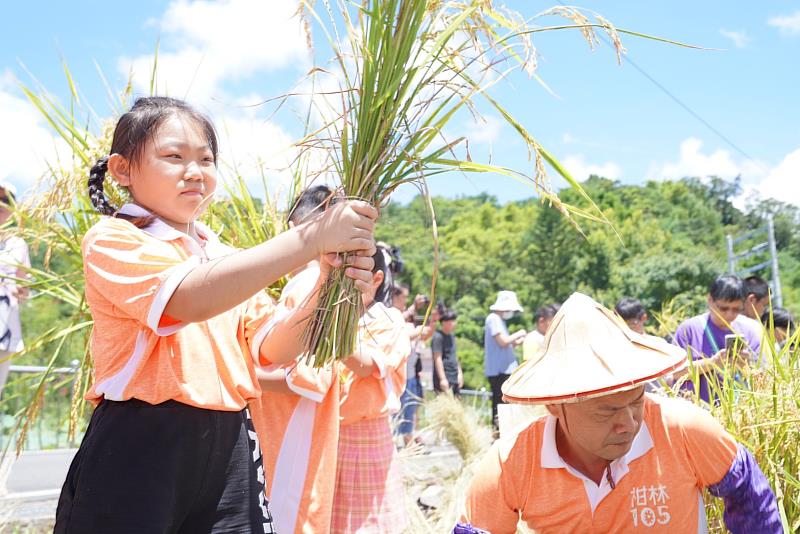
[
  {"x": 448, "y": 327},
  {"x": 637, "y": 324},
  {"x": 754, "y": 306},
  {"x": 723, "y": 312},
  {"x": 603, "y": 426},
  {"x": 543, "y": 324},
  {"x": 400, "y": 300}
]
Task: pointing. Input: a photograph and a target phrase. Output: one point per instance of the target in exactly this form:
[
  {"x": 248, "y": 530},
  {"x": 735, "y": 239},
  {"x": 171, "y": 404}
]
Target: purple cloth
[
  {"x": 704, "y": 339},
  {"x": 462, "y": 528},
  {"x": 750, "y": 505}
]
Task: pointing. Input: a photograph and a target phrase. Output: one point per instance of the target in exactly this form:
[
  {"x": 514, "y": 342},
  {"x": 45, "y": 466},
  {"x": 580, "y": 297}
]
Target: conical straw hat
[{"x": 588, "y": 352}]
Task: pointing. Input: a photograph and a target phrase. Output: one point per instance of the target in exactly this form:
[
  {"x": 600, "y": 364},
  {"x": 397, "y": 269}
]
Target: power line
[{"x": 674, "y": 98}]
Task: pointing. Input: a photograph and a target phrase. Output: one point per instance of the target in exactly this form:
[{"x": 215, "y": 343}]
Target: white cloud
[
  {"x": 759, "y": 179},
  {"x": 485, "y": 130},
  {"x": 783, "y": 181},
  {"x": 740, "y": 38},
  {"x": 694, "y": 162},
  {"x": 26, "y": 142},
  {"x": 581, "y": 170},
  {"x": 567, "y": 138},
  {"x": 206, "y": 43},
  {"x": 787, "y": 24}
]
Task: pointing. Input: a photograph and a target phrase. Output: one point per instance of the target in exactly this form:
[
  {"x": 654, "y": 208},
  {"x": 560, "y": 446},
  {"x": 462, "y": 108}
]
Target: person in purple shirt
[{"x": 703, "y": 336}]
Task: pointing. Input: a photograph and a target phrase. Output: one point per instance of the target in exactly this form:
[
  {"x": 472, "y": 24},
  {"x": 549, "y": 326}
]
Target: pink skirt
[{"x": 369, "y": 495}]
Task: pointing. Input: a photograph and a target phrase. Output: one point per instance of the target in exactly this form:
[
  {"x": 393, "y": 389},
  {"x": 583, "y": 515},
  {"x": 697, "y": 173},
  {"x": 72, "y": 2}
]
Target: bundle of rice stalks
[
  {"x": 460, "y": 426},
  {"x": 405, "y": 69}
]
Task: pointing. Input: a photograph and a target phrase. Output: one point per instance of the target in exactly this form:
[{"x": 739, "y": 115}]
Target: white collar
[
  {"x": 161, "y": 230},
  {"x": 551, "y": 459},
  {"x": 212, "y": 249}
]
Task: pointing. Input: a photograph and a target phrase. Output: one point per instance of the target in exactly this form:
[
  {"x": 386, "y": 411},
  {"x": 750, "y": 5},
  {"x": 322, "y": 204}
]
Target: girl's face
[
  {"x": 369, "y": 296},
  {"x": 176, "y": 176}
]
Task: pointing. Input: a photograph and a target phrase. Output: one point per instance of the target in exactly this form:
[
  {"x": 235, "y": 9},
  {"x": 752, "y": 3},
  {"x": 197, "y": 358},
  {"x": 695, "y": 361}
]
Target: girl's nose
[{"x": 193, "y": 171}]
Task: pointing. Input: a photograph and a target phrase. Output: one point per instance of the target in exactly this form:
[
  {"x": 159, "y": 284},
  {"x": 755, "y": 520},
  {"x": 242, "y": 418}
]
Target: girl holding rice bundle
[
  {"x": 369, "y": 494},
  {"x": 179, "y": 320}
]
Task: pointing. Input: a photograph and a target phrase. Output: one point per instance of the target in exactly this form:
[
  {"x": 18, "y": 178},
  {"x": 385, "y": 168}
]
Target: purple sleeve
[
  {"x": 681, "y": 335},
  {"x": 462, "y": 528},
  {"x": 750, "y": 504}
]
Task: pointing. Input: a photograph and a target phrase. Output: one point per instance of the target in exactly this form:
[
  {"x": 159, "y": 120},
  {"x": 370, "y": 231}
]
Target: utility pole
[{"x": 768, "y": 246}]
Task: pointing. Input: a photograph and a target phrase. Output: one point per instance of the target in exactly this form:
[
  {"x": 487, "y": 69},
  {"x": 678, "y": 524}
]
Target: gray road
[{"x": 37, "y": 471}]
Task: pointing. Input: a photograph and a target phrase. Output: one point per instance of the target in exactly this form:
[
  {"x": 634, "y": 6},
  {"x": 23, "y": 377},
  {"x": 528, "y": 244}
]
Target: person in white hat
[
  {"x": 14, "y": 265},
  {"x": 498, "y": 345},
  {"x": 608, "y": 457}
]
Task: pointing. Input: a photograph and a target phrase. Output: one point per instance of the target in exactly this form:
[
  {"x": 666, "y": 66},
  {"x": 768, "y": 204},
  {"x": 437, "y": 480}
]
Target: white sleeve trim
[
  {"x": 315, "y": 396},
  {"x": 168, "y": 287},
  {"x": 380, "y": 366},
  {"x": 261, "y": 333}
]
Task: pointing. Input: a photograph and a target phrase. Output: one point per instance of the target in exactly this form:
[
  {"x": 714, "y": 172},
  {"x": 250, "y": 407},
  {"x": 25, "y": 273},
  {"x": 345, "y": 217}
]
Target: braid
[{"x": 96, "y": 177}]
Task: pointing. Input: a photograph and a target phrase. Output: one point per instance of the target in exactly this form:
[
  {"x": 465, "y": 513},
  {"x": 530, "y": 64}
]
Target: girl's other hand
[
  {"x": 344, "y": 227},
  {"x": 357, "y": 266}
]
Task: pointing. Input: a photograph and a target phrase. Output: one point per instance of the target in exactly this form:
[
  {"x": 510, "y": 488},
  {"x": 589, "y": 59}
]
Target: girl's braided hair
[{"x": 134, "y": 129}]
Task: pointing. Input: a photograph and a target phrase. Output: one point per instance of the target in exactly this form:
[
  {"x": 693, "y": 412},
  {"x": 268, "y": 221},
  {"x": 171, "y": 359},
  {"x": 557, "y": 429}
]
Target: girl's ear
[
  {"x": 119, "y": 167},
  {"x": 377, "y": 279}
]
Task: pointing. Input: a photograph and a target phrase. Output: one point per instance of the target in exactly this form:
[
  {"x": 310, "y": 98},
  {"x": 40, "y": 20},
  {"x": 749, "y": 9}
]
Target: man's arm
[
  {"x": 727, "y": 469},
  {"x": 750, "y": 504},
  {"x": 486, "y": 503},
  {"x": 444, "y": 385}
]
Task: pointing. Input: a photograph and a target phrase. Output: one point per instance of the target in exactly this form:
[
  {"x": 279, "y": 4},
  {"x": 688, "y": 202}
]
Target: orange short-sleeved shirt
[
  {"x": 679, "y": 450},
  {"x": 139, "y": 352},
  {"x": 382, "y": 335}
]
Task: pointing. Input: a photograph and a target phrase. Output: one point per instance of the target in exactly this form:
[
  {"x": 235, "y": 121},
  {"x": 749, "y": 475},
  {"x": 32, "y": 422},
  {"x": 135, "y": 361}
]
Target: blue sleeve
[
  {"x": 494, "y": 325},
  {"x": 750, "y": 504}
]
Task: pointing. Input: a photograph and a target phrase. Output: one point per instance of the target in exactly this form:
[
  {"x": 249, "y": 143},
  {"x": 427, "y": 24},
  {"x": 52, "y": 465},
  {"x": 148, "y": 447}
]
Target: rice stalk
[{"x": 406, "y": 68}]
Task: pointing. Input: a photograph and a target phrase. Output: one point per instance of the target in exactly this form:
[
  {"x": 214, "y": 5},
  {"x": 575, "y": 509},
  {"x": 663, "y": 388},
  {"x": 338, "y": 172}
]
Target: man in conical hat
[{"x": 608, "y": 457}]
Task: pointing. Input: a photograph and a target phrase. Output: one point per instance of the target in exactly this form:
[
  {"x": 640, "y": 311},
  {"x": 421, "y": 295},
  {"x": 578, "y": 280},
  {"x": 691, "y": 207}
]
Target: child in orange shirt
[
  {"x": 178, "y": 323},
  {"x": 369, "y": 493},
  {"x": 297, "y": 417}
]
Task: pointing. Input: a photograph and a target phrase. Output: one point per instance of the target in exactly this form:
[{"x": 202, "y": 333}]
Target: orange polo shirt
[
  {"x": 383, "y": 336},
  {"x": 679, "y": 450},
  {"x": 141, "y": 353},
  {"x": 299, "y": 433}
]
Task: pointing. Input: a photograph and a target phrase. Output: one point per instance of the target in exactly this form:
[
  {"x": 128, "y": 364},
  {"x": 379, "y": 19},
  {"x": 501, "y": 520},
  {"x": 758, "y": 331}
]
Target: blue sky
[{"x": 607, "y": 119}]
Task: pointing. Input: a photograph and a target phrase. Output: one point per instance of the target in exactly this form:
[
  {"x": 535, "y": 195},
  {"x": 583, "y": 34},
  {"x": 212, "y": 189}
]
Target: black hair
[
  {"x": 448, "y": 315},
  {"x": 7, "y": 196},
  {"x": 313, "y": 200},
  {"x": 131, "y": 134},
  {"x": 398, "y": 289},
  {"x": 544, "y": 312},
  {"x": 728, "y": 288},
  {"x": 383, "y": 292},
  {"x": 630, "y": 308},
  {"x": 755, "y": 285},
  {"x": 781, "y": 318}
]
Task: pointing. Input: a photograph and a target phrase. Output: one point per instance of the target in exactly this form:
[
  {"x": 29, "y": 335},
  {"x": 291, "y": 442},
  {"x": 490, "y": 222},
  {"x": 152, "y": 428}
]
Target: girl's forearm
[
  {"x": 284, "y": 341},
  {"x": 217, "y": 286}
]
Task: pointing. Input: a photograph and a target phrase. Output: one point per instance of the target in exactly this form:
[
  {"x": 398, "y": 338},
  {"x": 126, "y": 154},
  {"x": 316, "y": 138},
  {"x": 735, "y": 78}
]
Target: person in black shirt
[{"x": 447, "y": 375}]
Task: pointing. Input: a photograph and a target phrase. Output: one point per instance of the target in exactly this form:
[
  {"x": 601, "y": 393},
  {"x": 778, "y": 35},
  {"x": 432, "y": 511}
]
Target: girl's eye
[{"x": 176, "y": 156}]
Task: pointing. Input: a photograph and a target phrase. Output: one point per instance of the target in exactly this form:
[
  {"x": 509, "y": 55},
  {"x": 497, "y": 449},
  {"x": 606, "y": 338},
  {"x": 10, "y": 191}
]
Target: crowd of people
[{"x": 209, "y": 416}]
